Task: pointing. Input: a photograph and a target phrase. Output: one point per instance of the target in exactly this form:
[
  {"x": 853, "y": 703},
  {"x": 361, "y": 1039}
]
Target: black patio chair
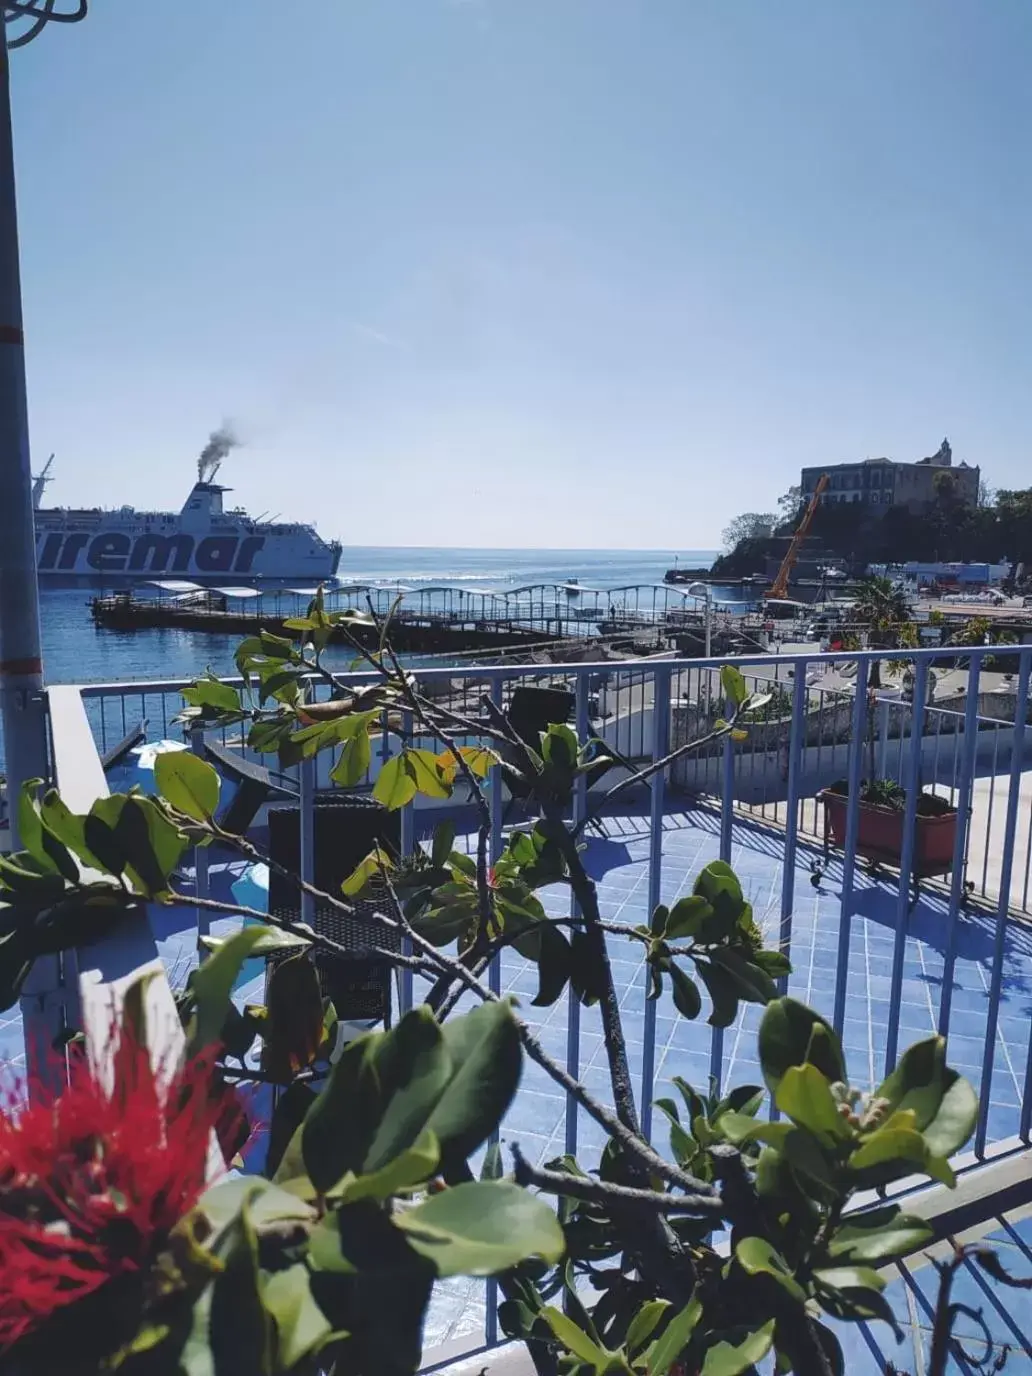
[
  {"x": 532, "y": 710},
  {"x": 347, "y": 827},
  {"x": 118, "y": 752},
  {"x": 256, "y": 786}
]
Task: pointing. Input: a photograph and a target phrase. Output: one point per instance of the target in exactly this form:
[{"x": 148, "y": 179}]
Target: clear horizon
[{"x": 518, "y": 273}]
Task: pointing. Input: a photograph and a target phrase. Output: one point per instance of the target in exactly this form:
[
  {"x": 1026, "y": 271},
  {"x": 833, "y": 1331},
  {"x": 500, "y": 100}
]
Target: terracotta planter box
[{"x": 880, "y": 836}]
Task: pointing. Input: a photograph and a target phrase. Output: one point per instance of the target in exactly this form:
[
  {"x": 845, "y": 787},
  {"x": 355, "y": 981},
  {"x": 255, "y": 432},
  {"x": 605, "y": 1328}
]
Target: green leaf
[
  {"x": 917, "y": 1081},
  {"x": 266, "y": 1203},
  {"x": 187, "y": 783},
  {"x": 478, "y": 759},
  {"x": 553, "y": 960},
  {"x": 481, "y": 1228},
  {"x": 375, "y": 863},
  {"x": 954, "y": 1122},
  {"x": 730, "y": 1359},
  {"x": 682, "y": 1143},
  {"x": 395, "y": 785},
  {"x": 273, "y": 942},
  {"x": 805, "y": 1096},
  {"x": 944, "y": 1104},
  {"x": 739, "y": 1128},
  {"x": 99, "y": 836},
  {"x": 719, "y": 885},
  {"x": 802, "y": 1150},
  {"x": 141, "y": 830},
  {"x": 850, "y": 1278},
  {"x": 210, "y": 692},
  {"x": 413, "y": 1067},
  {"x": 723, "y": 992},
  {"x": 588, "y": 974},
  {"x": 686, "y": 917},
  {"x": 66, "y": 826},
  {"x": 425, "y": 769},
  {"x": 644, "y": 1324},
  {"x": 687, "y": 999},
  {"x": 658, "y": 920},
  {"x": 411, "y": 1167},
  {"x": 212, "y": 983},
  {"x": 559, "y": 746},
  {"x": 232, "y": 1327},
  {"x": 673, "y": 1340},
  {"x": 756, "y": 1256},
  {"x": 284, "y": 1162},
  {"x": 355, "y": 757},
  {"x": 742, "y": 1099},
  {"x": 335, "y": 1135},
  {"x": 774, "y": 963},
  {"x": 575, "y": 1340},
  {"x": 30, "y": 827},
  {"x": 889, "y": 1144},
  {"x": 444, "y": 839},
  {"x": 301, "y": 1326},
  {"x": 492, "y": 1167},
  {"x": 733, "y": 684},
  {"x": 792, "y": 1034},
  {"x": 877, "y": 1235},
  {"x": 753, "y": 984},
  {"x": 855, "y": 1304},
  {"x": 324, "y": 1247},
  {"x": 486, "y": 1058}
]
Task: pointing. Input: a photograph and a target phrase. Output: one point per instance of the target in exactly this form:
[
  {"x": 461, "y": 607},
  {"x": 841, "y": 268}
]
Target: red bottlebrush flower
[{"x": 93, "y": 1182}]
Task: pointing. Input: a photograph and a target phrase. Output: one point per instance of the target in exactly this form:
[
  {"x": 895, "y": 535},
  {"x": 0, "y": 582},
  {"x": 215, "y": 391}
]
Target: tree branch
[
  {"x": 594, "y": 1191},
  {"x": 646, "y": 773},
  {"x": 308, "y": 934}
]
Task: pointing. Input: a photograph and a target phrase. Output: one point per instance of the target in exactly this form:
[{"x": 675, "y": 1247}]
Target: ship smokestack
[{"x": 220, "y": 442}]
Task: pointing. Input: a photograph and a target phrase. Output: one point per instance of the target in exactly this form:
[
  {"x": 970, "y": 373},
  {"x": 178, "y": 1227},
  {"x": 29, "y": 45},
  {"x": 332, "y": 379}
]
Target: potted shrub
[{"x": 882, "y": 813}]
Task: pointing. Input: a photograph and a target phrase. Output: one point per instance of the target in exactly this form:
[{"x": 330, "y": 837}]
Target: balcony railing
[{"x": 884, "y": 969}]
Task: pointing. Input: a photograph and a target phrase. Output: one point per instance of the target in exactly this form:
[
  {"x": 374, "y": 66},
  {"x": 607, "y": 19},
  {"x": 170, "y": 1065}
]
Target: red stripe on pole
[
  {"x": 21, "y": 666},
  {"x": 10, "y": 334}
]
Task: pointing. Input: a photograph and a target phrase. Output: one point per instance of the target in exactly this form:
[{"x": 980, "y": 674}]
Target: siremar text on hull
[{"x": 202, "y": 541}]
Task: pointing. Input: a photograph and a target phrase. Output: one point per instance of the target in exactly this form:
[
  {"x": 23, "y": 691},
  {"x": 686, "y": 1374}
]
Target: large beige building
[{"x": 883, "y": 483}]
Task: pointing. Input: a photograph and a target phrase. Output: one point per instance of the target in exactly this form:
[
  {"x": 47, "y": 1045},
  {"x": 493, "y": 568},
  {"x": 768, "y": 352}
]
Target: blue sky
[{"x": 561, "y": 273}]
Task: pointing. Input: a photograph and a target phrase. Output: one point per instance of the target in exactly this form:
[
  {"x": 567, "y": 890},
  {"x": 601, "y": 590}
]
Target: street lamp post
[
  {"x": 21, "y": 667},
  {"x": 707, "y": 596}
]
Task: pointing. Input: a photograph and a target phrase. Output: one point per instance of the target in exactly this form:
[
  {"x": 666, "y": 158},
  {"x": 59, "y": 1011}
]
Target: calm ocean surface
[{"x": 75, "y": 651}]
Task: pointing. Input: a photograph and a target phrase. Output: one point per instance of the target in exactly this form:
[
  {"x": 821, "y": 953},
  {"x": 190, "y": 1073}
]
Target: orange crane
[{"x": 779, "y": 588}]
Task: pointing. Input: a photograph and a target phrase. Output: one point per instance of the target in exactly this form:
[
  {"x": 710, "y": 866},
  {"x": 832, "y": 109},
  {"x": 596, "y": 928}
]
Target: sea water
[{"x": 76, "y": 651}]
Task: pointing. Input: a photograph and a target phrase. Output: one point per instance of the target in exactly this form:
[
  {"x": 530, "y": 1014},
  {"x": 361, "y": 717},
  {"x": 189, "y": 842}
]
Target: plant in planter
[
  {"x": 882, "y": 808},
  {"x": 330, "y": 1265}
]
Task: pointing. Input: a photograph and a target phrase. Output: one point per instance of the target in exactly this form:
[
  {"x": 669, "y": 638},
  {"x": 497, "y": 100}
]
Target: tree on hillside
[
  {"x": 1014, "y": 524},
  {"x": 790, "y": 507},
  {"x": 751, "y": 525}
]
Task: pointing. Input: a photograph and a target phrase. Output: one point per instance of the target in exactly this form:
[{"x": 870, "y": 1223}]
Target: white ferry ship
[{"x": 203, "y": 542}]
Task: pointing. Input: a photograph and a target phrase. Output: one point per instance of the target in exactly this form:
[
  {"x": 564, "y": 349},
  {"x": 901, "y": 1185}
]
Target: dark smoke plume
[{"x": 220, "y": 442}]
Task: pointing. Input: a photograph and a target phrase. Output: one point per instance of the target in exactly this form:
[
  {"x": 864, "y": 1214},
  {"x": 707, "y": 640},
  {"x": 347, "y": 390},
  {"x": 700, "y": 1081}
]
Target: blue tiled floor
[{"x": 619, "y": 863}]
